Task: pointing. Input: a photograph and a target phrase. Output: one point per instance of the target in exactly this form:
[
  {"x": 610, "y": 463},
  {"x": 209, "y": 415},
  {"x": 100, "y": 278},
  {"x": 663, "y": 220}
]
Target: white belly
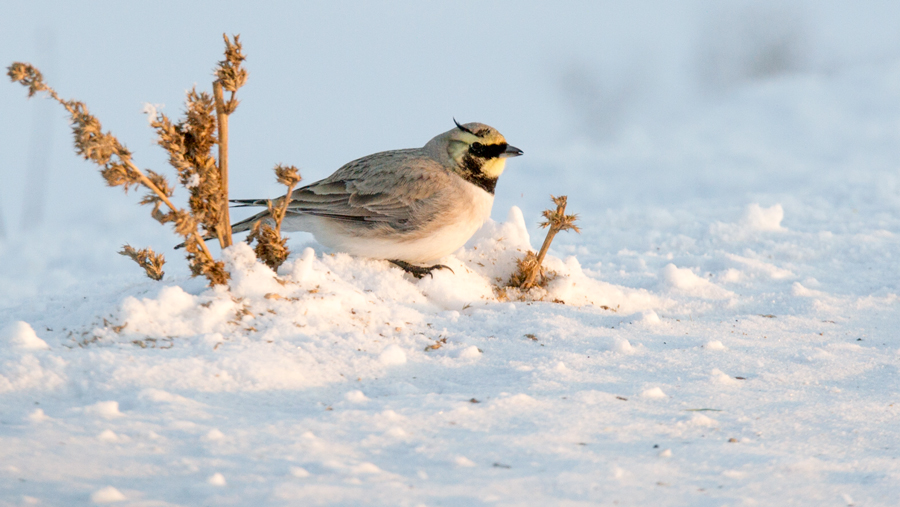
[{"x": 444, "y": 236}]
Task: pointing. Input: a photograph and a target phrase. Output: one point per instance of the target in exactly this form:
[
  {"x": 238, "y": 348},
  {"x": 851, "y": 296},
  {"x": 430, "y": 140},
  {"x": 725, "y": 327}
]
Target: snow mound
[
  {"x": 684, "y": 280},
  {"x": 719, "y": 377},
  {"x": 20, "y": 335},
  {"x": 470, "y": 352},
  {"x": 38, "y": 416},
  {"x": 269, "y": 330},
  {"x": 392, "y": 355},
  {"x": 105, "y": 409},
  {"x": 356, "y": 396},
  {"x": 756, "y": 221},
  {"x": 367, "y": 313},
  {"x": 462, "y": 461},
  {"x": 108, "y": 436},
  {"x": 654, "y": 393},
  {"x": 299, "y": 472},
  {"x": 756, "y": 267},
  {"x": 758, "y": 218},
  {"x": 108, "y": 494},
  {"x": 214, "y": 435},
  {"x": 714, "y": 345},
  {"x": 493, "y": 251},
  {"x": 702, "y": 421}
]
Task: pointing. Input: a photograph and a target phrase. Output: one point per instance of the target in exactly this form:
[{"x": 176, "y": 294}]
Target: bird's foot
[{"x": 419, "y": 271}]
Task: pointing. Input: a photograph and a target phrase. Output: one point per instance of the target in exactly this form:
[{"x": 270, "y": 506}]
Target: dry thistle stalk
[
  {"x": 530, "y": 272},
  {"x": 146, "y": 258},
  {"x": 189, "y": 144},
  {"x": 271, "y": 248},
  {"x": 118, "y": 169},
  {"x": 231, "y": 76}
]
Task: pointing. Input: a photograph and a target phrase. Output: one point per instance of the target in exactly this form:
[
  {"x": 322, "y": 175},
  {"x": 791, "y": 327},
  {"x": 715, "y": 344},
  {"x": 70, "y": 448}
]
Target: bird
[{"x": 410, "y": 207}]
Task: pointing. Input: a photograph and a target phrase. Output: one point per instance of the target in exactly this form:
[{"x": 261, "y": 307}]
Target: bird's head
[{"x": 479, "y": 151}]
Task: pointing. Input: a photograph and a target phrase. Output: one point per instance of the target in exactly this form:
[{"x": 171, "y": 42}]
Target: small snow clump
[
  {"x": 392, "y": 355},
  {"x": 758, "y": 218},
  {"x": 21, "y": 335},
  {"x": 108, "y": 494}
]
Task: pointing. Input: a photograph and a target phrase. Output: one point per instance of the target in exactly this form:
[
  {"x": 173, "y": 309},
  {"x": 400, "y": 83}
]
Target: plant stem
[
  {"x": 224, "y": 229},
  {"x": 284, "y": 206},
  {"x": 162, "y": 195},
  {"x": 554, "y": 229}
]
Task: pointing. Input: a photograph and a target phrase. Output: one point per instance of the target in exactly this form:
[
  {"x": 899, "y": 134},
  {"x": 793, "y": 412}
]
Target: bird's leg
[{"x": 419, "y": 271}]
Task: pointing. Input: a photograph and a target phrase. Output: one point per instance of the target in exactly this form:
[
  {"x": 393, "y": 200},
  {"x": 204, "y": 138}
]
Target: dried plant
[
  {"x": 231, "y": 76},
  {"x": 189, "y": 144},
  {"x": 146, "y": 258},
  {"x": 271, "y": 248},
  {"x": 529, "y": 272}
]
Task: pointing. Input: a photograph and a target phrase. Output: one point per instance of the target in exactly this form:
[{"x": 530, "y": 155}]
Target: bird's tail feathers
[
  {"x": 247, "y": 223},
  {"x": 243, "y": 203},
  {"x": 242, "y": 226}
]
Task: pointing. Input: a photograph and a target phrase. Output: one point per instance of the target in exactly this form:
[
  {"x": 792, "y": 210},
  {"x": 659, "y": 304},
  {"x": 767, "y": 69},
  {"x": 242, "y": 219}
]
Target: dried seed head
[
  {"x": 557, "y": 219},
  {"x": 90, "y": 140},
  {"x": 146, "y": 258},
  {"x": 270, "y": 247},
  {"x": 288, "y": 176},
  {"x": 161, "y": 182},
  {"x": 184, "y": 222},
  {"x": 231, "y": 73},
  {"x": 189, "y": 144},
  {"x": 171, "y": 139},
  {"x": 155, "y": 198},
  {"x": 199, "y": 124},
  {"x": 118, "y": 173},
  {"x": 27, "y": 75},
  {"x": 202, "y": 264}
]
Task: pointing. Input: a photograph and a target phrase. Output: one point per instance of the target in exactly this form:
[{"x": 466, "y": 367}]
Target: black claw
[{"x": 419, "y": 271}]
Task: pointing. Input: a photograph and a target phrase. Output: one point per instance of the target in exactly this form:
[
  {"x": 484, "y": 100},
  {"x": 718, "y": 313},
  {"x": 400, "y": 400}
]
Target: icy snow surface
[{"x": 724, "y": 331}]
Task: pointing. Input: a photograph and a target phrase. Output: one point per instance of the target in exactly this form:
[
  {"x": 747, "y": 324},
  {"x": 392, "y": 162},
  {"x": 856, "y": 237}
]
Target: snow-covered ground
[{"x": 728, "y": 326}]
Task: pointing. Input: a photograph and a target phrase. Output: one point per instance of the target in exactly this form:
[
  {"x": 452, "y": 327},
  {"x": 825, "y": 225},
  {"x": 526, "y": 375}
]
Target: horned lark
[{"x": 409, "y": 207}]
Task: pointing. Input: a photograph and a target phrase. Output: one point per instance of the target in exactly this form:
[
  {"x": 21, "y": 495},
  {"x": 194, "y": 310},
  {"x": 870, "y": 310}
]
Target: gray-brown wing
[{"x": 397, "y": 188}]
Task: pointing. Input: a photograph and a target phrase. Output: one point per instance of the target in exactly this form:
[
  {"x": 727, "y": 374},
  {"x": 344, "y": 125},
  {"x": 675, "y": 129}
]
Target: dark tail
[
  {"x": 247, "y": 223},
  {"x": 243, "y": 203}
]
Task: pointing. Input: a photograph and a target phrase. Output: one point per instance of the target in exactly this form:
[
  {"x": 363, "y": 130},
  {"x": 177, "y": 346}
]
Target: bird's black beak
[{"x": 511, "y": 151}]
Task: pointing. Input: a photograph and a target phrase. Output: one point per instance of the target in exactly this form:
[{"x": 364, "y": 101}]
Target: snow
[
  {"x": 104, "y": 409},
  {"x": 299, "y": 472},
  {"x": 758, "y": 218},
  {"x": 217, "y": 479},
  {"x": 108, "y": 494},
  {"x": 724, "y": 330},
  {"x": 20, "y": 334},
  {"x": 392, "y": 355},
  {"x": 654, "y": 393}
]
